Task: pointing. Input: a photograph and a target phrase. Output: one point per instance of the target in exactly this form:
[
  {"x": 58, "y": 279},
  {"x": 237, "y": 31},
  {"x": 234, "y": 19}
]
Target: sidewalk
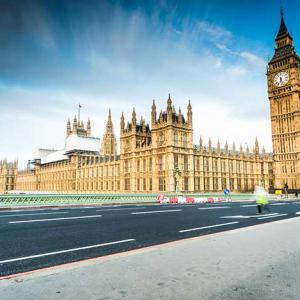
[{"x": 259, "y": 262}]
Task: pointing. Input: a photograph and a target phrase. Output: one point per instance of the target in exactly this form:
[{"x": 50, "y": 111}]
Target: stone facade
[
  {"x": 8, "y": 174},
  {"x": 283, "y": 75},
  {"x": 147, "y": 160}
]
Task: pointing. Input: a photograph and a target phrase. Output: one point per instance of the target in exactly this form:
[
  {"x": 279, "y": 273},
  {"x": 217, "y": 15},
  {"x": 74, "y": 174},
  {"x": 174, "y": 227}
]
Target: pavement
[{"x": 221, "y": 251}]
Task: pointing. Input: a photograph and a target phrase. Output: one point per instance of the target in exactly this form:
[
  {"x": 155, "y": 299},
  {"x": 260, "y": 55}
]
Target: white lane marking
[
  {"x": 155, "y": 211},
  {"x": 54, "y": 219},
  {"x": 112, "y": 209},
  {"x": 280, "y": 204},
  {"x": 298, "y": 213},
  {"x": 214, "y": 207},
  {"x": 38, "y": 214},
  {"x": 268, "y": 217},
  {"x": 65, "y": 251},
  {"x": 248, "y": 205},
  {"x": 206, "y": 227},
  {"x": 23, "y": 210},
  {"x": 246, "y": 217}
]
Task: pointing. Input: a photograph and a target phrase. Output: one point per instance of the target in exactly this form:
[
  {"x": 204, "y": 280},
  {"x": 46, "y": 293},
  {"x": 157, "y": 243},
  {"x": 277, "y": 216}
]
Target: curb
[{"x": 73, "y": 206}]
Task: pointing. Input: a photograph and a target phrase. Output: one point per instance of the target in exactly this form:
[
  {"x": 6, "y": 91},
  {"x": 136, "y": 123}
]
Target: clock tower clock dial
[
  {"x": 284, "y": 95},
  {"x": 281, "y": 79}
]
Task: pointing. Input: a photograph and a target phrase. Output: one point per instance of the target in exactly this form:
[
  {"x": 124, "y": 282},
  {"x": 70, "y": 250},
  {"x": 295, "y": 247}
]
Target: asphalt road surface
[{"x": 35, "y": 239}]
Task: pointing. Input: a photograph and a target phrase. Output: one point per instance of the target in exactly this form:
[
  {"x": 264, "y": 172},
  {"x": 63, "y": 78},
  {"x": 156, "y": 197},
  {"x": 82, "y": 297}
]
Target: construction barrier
[{"x": 190, "y": 200}]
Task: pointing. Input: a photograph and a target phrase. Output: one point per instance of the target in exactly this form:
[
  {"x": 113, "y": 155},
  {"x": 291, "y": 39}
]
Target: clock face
[{"x": 281, "y": 78}]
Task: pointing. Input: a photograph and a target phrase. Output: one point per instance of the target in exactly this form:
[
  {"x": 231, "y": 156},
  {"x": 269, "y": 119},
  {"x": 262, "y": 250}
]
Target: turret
[
  {"x": 169, "y": 110},
  {"x": 226, "y": 148},
  {"x": 169, "y": 104},
  {"x": 122, "y": 124},
  {"x": 153, "y": 114},
  {"x": 133, "y": 120},
  {"x": 109, "y": 142},
  {"x": 233, "y": 150},
  {"x": 75, "y": 125},
  {"x": 218, "y": 147},
  {"x": 256, "y": 148},
  {"x": 263, "y": 152},
  {"x": 247, "y": 151},
  {"x": 201, "y": 144},
  {"x": 189, "y": 114},
  {"x": 241, "y": 151},
  {"x": 160, "y": 119},
  {"x": 180, "y": 116},
  {"x": 88, "y": 127},
  {"x": 68, "y": 131},
  {"x": 209, "y": 146}
]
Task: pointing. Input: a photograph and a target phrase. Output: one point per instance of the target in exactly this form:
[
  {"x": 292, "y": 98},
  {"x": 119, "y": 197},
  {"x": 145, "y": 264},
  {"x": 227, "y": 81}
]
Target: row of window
[{"x": 176, "y": 140}]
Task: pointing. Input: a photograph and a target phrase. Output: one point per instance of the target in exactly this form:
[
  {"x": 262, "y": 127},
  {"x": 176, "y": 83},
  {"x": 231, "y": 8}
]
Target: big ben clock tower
[{"x": 284, "y": 94}]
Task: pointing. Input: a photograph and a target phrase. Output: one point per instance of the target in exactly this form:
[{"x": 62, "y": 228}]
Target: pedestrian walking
[
  {"x": 286, "y": 190},
  {"x": 262, "y": 201}
]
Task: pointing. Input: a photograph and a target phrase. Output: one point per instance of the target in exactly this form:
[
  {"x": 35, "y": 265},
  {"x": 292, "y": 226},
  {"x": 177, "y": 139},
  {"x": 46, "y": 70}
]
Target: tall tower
[
  {"x": 109, "y": 141},
  {"x": 283, "y": 74}
]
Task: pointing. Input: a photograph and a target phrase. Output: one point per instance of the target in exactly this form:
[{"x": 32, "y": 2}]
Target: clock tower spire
[
  {"x": 283, "y": 73},
  {"x": 283, "y": 37}
]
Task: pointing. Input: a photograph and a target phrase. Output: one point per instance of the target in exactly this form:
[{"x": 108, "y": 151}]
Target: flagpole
[{"x": 79, "y": 106}]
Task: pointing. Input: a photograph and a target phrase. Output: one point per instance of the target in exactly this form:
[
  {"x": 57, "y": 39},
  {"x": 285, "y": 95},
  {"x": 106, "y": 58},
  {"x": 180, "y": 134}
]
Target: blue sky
[{"x": 119, "y": 54}]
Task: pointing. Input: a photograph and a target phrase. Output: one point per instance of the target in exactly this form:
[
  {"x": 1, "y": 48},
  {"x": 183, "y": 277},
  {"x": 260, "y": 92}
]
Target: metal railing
[{"x": 15, "y": 200}]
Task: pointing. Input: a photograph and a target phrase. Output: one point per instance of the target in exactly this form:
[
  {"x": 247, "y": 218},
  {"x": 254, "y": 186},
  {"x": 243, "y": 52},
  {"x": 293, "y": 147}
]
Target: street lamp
[{"x": 176, "y": 174}]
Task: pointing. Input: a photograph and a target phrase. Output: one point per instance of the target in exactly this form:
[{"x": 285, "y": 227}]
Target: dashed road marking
[
  {"x": 155, "y": 211},
  {"x": 275, "y": 204},
  {"x": 23, "y": 210},
  {"x": 206, "y": 227},
  {"x": 248, "y": 205},
  {"x": 247, "y": 217},
  {"x": 54, "y": 219},
  {"x": 38, "y": 214},
  {"x": 128, "y": 208},
  {"x": 275, "y": 216},
  {"x": 214, "y": 207},
  {"x": 65, "y": 251}
]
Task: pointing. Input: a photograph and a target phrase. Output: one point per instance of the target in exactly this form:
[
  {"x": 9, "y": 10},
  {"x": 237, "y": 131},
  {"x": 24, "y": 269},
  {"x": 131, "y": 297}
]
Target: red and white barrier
[{"x": 189, "y": 200}]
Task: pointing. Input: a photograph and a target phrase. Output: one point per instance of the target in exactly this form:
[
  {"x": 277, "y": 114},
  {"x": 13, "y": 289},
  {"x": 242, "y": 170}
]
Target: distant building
[
  {"x": 147, "y": 160},
  {"x": 8, "y": 174}
]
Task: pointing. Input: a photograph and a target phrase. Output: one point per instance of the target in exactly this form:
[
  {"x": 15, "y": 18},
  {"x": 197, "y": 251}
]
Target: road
[{"x": 35, "y": 239}]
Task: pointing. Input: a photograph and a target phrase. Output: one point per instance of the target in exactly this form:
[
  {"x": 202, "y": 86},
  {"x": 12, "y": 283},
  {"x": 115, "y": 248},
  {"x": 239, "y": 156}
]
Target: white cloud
[
  {"x": 236, "y": 71},
  {"x": 253, "y": 59},
  {"x": 215, "y": 32}
]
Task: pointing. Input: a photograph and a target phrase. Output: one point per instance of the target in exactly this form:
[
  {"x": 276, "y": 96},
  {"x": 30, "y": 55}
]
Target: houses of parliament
[{"x": 149, "y": 154}]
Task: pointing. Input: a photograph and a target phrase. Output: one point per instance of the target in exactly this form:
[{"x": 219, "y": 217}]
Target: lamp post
[{"x": 177, "y": 174}]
